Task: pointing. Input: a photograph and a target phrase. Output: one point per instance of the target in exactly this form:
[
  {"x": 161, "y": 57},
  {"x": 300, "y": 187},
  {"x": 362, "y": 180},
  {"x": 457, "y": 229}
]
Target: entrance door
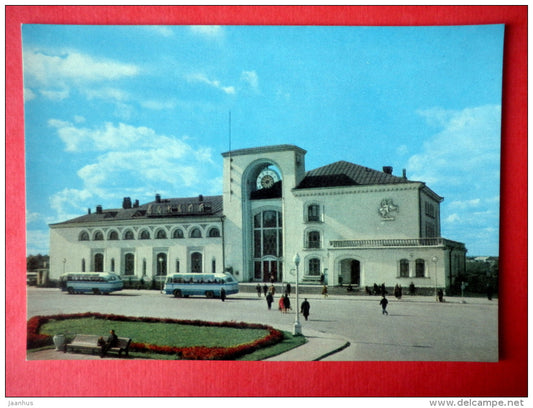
[
  {"x": 355, "y": 272},
  {"x": 270, "y": 270}
]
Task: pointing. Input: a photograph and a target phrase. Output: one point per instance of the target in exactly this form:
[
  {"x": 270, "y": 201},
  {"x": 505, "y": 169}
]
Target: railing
[{"x": 379, "y": 243}]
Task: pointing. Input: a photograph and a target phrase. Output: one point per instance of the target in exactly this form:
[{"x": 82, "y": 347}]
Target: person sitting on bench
[{"x": 112, "y": 341}]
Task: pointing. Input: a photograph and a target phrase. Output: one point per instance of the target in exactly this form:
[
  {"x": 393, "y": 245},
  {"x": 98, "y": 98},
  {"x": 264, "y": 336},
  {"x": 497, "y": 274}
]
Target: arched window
[
  {"x": 420, "y": 270},
  {"x": 84, "y": 236},
  {"x": 99, "y": 262},
  {"x": 129, "y": 235},
  {"x": 83, "y": 265},
  {"x": 313, "y": 212},
  {"x": 313, "y": 239},
  {"x": 161, "y": 260},
  {"x": 98, "y": 236},
  {"x": 177, "y": 266},
  {"x": 161, "y": 234},
  {"x": 213, "y": 266},
  {"x": 314, "y": 267},
  {"x": 196, "y": 262},
  {"x": 144, "y": 234},
  {"x": 129, "y": 264},
  {"x": 404, "y": 268},
  {"x": 112, "y": 264},
  {"x": 214, "y": 232},
  {"x": 196, "y": 233},
  {"x": 113, "y": 236},
  {"x": 177, "y": 234}
]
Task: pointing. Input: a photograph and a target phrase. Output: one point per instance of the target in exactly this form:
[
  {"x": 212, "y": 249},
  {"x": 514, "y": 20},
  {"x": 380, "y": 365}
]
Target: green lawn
[{"x": 172, "y": 334}]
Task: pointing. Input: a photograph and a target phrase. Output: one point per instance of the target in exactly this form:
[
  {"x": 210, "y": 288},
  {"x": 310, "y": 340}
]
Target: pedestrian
[
  {"x": 222, "y": 294},
  {"x": 272, "y": 290},
  {"x": 440, "y": 295},
  {"x": 112, "y": 341},
  {"x": 383, "y": 304},
  {"x": 325, "y": 291},
  {"x": 398, "y": 292},
  {"x": 258, "y": 289},
  {"x": 281, "y": 305},
  {"x": 305, "y": 308},
  {"x": 269, "y": 299},
  {"x": 287, "y": 303},
  {"x": 265, "y": 289},
  {"x": 288, "y": 289},
  {"x": 412, "y": 289}
]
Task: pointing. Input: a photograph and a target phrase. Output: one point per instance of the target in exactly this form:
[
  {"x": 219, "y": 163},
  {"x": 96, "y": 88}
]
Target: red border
[{"x": 505, "y": 378}]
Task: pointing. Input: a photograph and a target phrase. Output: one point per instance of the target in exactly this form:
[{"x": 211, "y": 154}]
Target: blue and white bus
[
  {"x": 90, "y": 282},
  {"x": 200, "y": 284}
]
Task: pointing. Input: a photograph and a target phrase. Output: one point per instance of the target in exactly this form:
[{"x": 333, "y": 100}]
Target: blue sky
[{"x": 116, "y": 111}]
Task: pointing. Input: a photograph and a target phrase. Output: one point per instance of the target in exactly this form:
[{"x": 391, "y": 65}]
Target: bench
[{"x": 89, "y": 342}]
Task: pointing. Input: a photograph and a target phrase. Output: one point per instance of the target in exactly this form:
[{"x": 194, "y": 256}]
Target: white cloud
[
  {"x": 29, "y": 95},
  {"x": 465, "y": 151},
  {"x": 251, "y": 78},
  {"x": 208, "y": 31},
  {"x": 37, "y": 242},
  {"x": 462, "y": 162},
  {"x": 108, "y": 137},
  {"x": 129, "y": 157},
  {"x": 211, "y": 82},
  {"x": 53, "y": 73},
  {"x": 164, "y": 31}
]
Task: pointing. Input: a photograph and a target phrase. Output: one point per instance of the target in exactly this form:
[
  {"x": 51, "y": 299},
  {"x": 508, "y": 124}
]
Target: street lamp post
[
  {"x": 435, "y": 259},
  {"x": 161, "y": 273},
  {"x": 297, "y": 326}
]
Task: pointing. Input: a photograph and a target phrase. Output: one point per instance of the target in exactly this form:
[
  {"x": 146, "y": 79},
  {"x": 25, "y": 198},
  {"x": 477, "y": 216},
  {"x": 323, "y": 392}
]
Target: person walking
[
  {"x": 265, "y": 289},
  {"x": 287, "y": 302},
  {"x": 270, "y": 300},
  {"x": 258, "y": 289},
  {"x": 288, "y": 289},
  {"x": 383, "y": 304},
  {"x": 281, "y": 304},
  {"x": 305, "y": 308},
  {"x": 222, "y": 294},
  {"x": 325, "y": 291}
]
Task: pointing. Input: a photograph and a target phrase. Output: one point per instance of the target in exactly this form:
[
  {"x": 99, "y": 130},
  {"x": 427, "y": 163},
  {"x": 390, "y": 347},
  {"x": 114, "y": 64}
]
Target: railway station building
[{"x": 348, "y": 223}]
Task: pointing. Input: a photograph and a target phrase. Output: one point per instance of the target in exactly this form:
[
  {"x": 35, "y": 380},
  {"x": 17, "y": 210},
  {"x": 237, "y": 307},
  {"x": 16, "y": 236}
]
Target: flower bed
[{"x": 274, "y": 336}]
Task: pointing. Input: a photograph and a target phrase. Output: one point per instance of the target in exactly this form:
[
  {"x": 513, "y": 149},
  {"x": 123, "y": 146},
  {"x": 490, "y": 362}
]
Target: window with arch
[
  {"x": 404, "y": 268},
  {"x": 213, "y": 266},
  {"x": 113, "y": 236},
  {"x": 268, "y": 234},
  {"x": 195, "y": 233},
  {"x": 129, "y": 264},
  {"x": 98, "y": 236},
  {"x": 177, "y": 266},
  {"x": 112, "y": 264},
  {"x": 420, "y": 269},
  {"x": 313, "y": 267},
  {"x": 144, "y": 234},
  {"x": 177, "y": 234},
  {"x": 161, "y": 234},
  {"x": 313, "y": 239},
  {"x": 83, "y": 265},
  {"x": 128, "y": 235},
  {"x": 196, "y": 262},
  {"x": 161, "y": 260},
  {"x": 214, "y": 232},
  {"x": 84, "y": 236},
  {"x": 144, "y": 266},
  {"x": 313, "y": 213},
  {"x": 98, "y": 262}
]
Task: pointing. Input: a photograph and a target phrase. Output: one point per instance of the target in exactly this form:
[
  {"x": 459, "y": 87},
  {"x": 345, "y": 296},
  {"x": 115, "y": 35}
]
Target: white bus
[
  {"x": 90, "y": 282},
  {"x": 202, "y": 284}
]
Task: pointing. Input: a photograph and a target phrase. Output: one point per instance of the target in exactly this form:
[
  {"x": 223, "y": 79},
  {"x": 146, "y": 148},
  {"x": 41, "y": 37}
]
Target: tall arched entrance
[{"x": 350, "y": 270}]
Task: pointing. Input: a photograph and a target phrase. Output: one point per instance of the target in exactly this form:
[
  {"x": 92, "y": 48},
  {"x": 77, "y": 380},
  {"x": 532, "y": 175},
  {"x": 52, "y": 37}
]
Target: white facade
[{"x": 344, "y": 220}]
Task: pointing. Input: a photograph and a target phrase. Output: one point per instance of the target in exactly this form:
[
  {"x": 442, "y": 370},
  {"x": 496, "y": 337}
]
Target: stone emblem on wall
[{"x": 388, "y": 210}]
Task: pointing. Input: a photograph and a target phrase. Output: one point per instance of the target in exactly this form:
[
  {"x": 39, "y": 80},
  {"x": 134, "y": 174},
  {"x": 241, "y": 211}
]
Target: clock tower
[{"x": 257, "y": 184}]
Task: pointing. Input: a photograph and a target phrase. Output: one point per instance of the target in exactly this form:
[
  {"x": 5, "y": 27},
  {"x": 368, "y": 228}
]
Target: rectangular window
[{"x": 313, "y": 213}]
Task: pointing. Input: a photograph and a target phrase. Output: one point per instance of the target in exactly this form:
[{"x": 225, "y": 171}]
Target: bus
[
  {"x": 200, "y": 284},
  {"x": 90, "y": 282}
]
